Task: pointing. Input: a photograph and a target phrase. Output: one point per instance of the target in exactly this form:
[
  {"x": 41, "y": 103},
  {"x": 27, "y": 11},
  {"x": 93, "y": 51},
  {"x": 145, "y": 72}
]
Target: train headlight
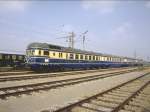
[{"x": 46, "y": 60}]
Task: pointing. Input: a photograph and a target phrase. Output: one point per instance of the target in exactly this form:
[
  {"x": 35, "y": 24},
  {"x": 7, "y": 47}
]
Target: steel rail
[
  {"x": 15, "y": 73},
  {"x": 47, "y": 75},
  {"x": 119, "y": 107},
  {"x": 23, "y": 89},
  {"x": 79, "y": 103},
  {"x": 65, "y": 72}
]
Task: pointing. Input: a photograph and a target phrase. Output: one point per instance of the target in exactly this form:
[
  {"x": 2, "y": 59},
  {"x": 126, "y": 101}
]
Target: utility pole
[
  {"x": 83, "y": 39},
  {"x": 71, "y": 40}
]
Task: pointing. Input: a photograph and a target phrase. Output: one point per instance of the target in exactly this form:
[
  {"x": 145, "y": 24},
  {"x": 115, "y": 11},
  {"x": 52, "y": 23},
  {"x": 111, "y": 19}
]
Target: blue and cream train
[{"x": 43, "y": 56}]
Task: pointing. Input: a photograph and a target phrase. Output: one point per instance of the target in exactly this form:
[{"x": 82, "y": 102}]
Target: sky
[{"x": 114, "y": 27}]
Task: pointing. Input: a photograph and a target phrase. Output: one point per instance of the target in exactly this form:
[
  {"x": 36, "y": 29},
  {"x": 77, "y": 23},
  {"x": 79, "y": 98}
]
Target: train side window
[
  {"x": 7, "y": 57},
  {"x": 89, "y": 57},
  {"x": 39, "y": 52},
  {"x": 60, "y": 55},
  {"x": 86, "y": 57},
  {"x": 66, "y": 55},
  {"x": 107, "y": 59},
  {"x": 96, "y": 57},
  {"x": 93, "y": 57},
  {"x": 1, "y": 57},
  {"x": 71, "y": 56},
  {"x": 32, "y": 52},
  {"x": 111, "y": 59},
  {"x": 53, "y": 54},
  {"x": 81, "y": 56},
  {"x": 104, "y": 58},
  {"x": 46, "y": 52},
  {"x": 19, "y": 57},
  {"x": 14, "y": 57},
  {"x": 77, "y": 56},
  {"x": 100, "y": 58}
]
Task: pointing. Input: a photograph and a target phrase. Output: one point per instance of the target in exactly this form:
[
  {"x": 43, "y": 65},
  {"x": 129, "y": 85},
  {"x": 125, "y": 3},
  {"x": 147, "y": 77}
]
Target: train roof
[
  {"x": 59, "y": 48},
  {"x": 11, "y": 52},
  {"x": 47, "y": 46}
]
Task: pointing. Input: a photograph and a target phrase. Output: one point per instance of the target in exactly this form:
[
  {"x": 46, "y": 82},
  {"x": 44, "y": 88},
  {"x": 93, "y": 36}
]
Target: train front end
[{"x": 37, "y": 56}]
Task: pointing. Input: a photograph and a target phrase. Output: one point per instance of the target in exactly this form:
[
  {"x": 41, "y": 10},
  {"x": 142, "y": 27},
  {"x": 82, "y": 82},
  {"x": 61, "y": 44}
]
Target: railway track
[
  {"x": 26, "y": 89},
  {"x": 131, "y": 96},
  {"x": 47, "y": 75},
  {"x": 15, "y": 73},
  {"x": 22, "y": 73}
]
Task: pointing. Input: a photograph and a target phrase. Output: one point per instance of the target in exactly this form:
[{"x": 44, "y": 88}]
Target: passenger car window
[
  {"x": 1, "y": 56},
  {"x": 46, "y": 52},
  {"x": 81, "y": 56},
  {"x": 86, "y": 57},
  {"x": 71, "y": 56},
  {"x": 77, "y": 56},
  {"x": 89, "y": 57}
]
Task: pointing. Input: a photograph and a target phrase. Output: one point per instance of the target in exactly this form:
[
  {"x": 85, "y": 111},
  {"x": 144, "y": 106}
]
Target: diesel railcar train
[
  {"x": 45, "y": 57},
  {"x": 11, "y": 59}
]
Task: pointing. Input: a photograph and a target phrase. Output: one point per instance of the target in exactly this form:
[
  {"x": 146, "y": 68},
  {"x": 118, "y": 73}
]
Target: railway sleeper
[
  {"x": 122, "y": 110},
  {"x": 104, "y": 104},
  {"x": 2, "y": 92},
  {"x": 117, "y": 101},
  {"x": 22, "y": 89},
  {"x": 138, "y": 101},
  {"x": 133, "y": 108},
  {"x": 120, "y": 95},
  {"x": 96, "y": 107},
  {"x": 147, "y": 98},
  {"x": 114, "y": 97},
  {"x": 81, "y": 109},
  {"x": 143, "y": 98},
  {"x": 145, "y": 92},
  {"x": 126, "y": 90},
  {"x": 29, "y": 88},
  {"x": 11, "y": 91},
  {"x": 140, "y": 104},
  {"x": 131, "y": 88}
]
